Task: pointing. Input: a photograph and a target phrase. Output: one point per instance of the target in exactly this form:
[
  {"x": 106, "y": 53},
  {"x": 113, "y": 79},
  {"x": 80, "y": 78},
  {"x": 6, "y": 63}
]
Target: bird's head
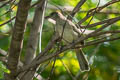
[
  {"x": 53, "y": 15},
  {"x": 56, "y": 15}
]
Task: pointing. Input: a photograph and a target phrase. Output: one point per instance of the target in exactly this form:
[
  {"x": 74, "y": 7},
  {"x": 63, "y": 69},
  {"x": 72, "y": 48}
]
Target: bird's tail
[{"x": 83, "y": 62}]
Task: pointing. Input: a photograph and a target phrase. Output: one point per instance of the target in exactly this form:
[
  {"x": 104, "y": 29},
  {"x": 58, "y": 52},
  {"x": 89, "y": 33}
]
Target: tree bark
[
  {"x": 34, "y": 35},
  {"x": 17, "y": 38}
]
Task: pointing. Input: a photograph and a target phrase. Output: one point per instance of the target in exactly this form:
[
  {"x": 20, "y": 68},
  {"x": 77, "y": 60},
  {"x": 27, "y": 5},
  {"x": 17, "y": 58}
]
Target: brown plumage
[{"x": 70, "y": 34}]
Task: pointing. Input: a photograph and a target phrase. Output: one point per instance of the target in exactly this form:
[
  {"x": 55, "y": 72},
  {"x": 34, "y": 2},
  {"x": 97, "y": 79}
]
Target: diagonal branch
[
  {"x": 76, "y": 9},
  {"x": 100, "y": 41},
  {"x": 8, "y": 21},
  {"x": 38, "y": 60},
  {"x": 5, "y": 3},
  {"x": 71, "y": 46},
  {"x": 99, "y": 23},
  {"x": 107, "y": 24},
  {"x": 95, "y": 10},
  {"x": 67, "y": 69},
  {"x": 2, "y": 52}
]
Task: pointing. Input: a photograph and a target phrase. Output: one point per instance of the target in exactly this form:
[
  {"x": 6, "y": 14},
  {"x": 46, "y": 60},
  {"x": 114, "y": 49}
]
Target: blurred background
[{"x": 104, "y": 58}]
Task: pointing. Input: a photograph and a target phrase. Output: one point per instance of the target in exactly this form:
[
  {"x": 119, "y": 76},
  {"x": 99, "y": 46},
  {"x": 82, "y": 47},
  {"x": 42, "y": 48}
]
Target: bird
[{"x": 69, "y": 32}]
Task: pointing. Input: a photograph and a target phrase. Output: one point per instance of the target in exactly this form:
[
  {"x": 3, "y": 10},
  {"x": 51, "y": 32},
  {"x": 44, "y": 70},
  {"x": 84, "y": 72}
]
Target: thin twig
[
  {"x": 5, "y": 3},
  {"x": 67, "y": 69},
  {"x": 52, "y": 69},
  {"x": 90, "y": 19},
  {"x": 92, "y": 11},
  {"x": 8, "y": 21},
  {"x": 40, "y": 59},
  {"x": 107, "y": 24},
  {"x": 76, "y": 9},
  {"x": 44, "y": 58},
  {"x": 10, "y": 10},
  {"x": 99, "y": 23},
  {"x": 101, "y": 41}
]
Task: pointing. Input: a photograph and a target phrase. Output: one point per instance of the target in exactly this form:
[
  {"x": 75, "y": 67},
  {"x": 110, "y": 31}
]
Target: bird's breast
[{"x": 67, "y": 34}]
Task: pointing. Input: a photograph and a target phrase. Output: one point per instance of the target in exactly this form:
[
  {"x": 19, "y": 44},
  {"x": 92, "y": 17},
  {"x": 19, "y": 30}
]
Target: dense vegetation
[{"x": 104, "y": 58}]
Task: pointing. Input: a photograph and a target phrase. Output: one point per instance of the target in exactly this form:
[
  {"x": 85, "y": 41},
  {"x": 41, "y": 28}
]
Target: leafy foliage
[{"x": 104, "y": 63}]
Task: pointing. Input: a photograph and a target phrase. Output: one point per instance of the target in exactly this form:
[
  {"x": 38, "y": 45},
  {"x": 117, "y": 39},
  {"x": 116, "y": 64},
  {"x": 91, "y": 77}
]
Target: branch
[
  {"x": 8, "y": 21},
  {"x": 35, "y": 30},
  {"x": 100, "y": 41},
  {"x": 42, "y": 58},
  {"x": 41, "y": 55},
  {"x": 5, "y": 3},
  {"x": 10, "y": 10},
  {"x": 65, "y": 8},
  {"x": 67, "y": 69},
  {"x": 15, "y": 16},
  {"x": 106, "y": 32},
  {"x": 17, "y": 38},
  {"x": 52, "y": 69},
  {"x": 96, "y": 32},
  {"x": 71, "y": 46},
  {"x": 33, "y": 39},
  {"x": 92, "y": 35},
  {"x": 107, "y": 24},
  {"x": 3, "y": 52},
  {"x": 95, "y": 10},
  {"x": 98, "y": 23},
  {"x": 76, "y": 9},
  {"x": 70, "y": 8},
  {"x": 3, "y": 57}
]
